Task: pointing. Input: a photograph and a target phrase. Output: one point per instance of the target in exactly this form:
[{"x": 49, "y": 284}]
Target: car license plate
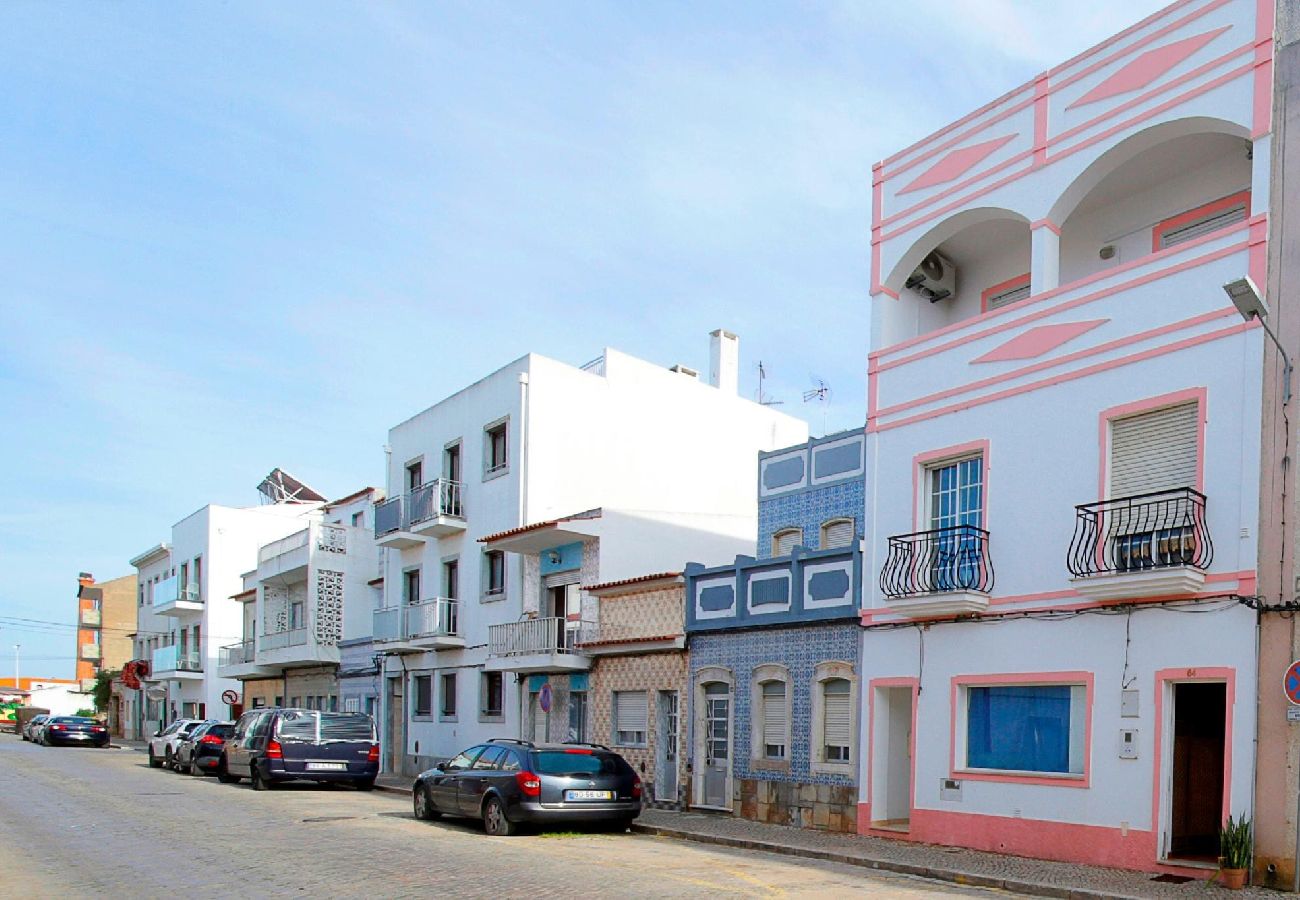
[
  {"x": 588, "y": 795},
  {"x": 327, "y": 767}
]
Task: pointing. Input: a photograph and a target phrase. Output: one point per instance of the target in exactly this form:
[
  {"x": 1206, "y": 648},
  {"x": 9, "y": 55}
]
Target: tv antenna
[
  {"x": 822, "y": 395},
  {"x": 763, "y": 399}
]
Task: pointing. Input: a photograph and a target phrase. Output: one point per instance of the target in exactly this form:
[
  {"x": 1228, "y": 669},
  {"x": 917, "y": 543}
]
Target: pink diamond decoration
[
  {"x": 1037, "y": 341},
  {"x": 1147, "y": 67},
  {"x": 957, "y": 163}
]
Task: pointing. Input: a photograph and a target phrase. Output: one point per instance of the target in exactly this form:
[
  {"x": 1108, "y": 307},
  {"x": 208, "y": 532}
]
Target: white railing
[
  {"x": 281, "y": 639},
  {"x": 550, "y": 635},
  {"x": 283, "y": 545},
  {"x": 236, "y": 654},
  {"x": 595, "y": 366},
  {"x": 386, "y": 625},
  {"x": 332, "y": 539},
  {"x": 170, "y": 659},
  {"x": 438, "y": 616}
]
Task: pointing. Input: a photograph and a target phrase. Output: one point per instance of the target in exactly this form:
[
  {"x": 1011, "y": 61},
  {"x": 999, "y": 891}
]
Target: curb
[
  {"x": 967, "y": 879},
  {"x": 392, "y": 789}
]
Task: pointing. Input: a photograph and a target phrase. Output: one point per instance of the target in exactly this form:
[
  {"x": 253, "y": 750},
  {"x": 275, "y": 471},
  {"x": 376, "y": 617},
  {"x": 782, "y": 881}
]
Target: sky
[{"x": 235, "y": 236}]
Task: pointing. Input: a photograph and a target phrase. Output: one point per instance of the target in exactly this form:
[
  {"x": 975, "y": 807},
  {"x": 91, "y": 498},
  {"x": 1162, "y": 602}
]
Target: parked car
[
  {"x": 162, "y": 746},
  {"x": 31, "y": 731},
  {"x": 274, "y": 745},
  {"x": 80, "y": 730},
  {"x": 201, "y": 751},
  {"x": 508, "y": 783}
]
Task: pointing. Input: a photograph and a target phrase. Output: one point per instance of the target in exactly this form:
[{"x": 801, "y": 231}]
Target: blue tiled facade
[
  {"x": 798, "y": 649},
  {"x": 807, "y": 509},
  {"x": 810, "y": 484}
]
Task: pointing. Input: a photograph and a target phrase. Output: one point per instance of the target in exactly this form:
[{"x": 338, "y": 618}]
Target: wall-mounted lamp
[
  {"x": 1250, "y": 303},
  {"x": 553, "y": 558}
]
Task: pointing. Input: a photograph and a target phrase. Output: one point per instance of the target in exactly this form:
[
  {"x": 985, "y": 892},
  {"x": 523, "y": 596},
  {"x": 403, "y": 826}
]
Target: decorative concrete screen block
[
  {"x": 828, "y": 584},
  {"x": 329, "y": 607},
  {"x": 769, "y": 592},
  {"x": 783, "y": 473},
  {"x": 837, "y": 460},
  {"x": 715, "y": 599}
]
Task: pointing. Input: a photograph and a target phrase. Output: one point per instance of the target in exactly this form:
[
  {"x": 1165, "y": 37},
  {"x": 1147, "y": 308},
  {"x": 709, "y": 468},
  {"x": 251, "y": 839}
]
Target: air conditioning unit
[{"x": 935, "y": 278}]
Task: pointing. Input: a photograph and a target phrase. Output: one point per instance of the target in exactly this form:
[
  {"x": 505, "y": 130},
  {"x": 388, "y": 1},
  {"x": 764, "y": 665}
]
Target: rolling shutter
[
  {"x": 630, "y": 714},
  {"x": 838, "y": 712},
  {"x": 1213, "y": 222},
  {"x": 1006, "y": 298},
  {"x": 837, "y": 534},
  {"x": 784, "y": 542},
  {"x": 774, "y": 725},
  {"x": 1155, "y": 451}
]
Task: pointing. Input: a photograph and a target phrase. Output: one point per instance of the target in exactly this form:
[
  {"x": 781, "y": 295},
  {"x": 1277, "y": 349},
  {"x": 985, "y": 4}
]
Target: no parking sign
[
  {"x": 544, "y": 698},
  {"x": 1291, "y": 683}
]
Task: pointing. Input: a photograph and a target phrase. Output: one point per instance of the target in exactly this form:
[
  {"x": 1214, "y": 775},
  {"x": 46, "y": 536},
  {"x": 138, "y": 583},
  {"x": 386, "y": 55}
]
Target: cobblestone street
[{"x": 81, "y": 822}]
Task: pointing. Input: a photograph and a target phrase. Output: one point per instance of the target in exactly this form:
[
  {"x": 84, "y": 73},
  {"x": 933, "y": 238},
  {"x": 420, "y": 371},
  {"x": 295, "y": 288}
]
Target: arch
[
  {"x": 942, "y": 231},
  {"x": 1097, "y": 171}
]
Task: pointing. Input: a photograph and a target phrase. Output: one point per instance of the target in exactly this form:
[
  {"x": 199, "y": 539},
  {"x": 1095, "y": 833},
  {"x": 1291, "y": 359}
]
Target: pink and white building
[{"x": 1064, "y": 448}]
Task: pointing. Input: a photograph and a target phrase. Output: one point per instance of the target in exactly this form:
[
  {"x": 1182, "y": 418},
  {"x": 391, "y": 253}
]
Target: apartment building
[
  {"x": 534, "y": 443},
  {"x": 310, "y": 594},
  {"x": 1064, "y": 433},
  {"x": 774, "y": 644},
  {"x": 105, "y": 621}
]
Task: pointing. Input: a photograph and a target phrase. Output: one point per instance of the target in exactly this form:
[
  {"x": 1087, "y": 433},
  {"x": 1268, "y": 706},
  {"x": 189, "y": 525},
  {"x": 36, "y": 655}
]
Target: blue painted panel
[
  {"x": 783, "y": 473},
  {"x": 717, "y": 598},
  {"x": 828, "y": 585},
  {"x": 580, "y": 682},
  {"x": 769, "y": 591},
  {"x": 563, "y": 558},
  {"x": 535, "y": 682},
  {"x": 834, "y": 460}
]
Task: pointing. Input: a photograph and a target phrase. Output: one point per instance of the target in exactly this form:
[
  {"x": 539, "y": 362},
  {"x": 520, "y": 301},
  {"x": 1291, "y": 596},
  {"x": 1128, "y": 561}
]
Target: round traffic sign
[
  {"x": 544, "y": 698},
  {"x": 1291, "y": 682},
  {"x": 229, "y": 697}
]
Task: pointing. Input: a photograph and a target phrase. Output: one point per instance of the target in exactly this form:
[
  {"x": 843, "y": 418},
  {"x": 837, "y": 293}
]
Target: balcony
[
  {"x": 169, "y": 663},
  {"x": 538, "y": 645},
  {"x": 91, "y": 618},
  {"x": 171, "y": 598},
  {"x": 429, "y": 625},
  {"x": 429, "y": 511},
  {"x": 289, "y": 557},
  {"x": 92, "y": 652},
  {"x": 1148, "y": 545},
  {"x": 239, "y": 661},
  {"x": 942, "y": 572},
  {"x": 278, "y": 650}
]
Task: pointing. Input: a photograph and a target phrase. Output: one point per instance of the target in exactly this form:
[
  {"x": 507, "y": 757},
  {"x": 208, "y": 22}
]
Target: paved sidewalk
[{"x": 970, "y": 867}]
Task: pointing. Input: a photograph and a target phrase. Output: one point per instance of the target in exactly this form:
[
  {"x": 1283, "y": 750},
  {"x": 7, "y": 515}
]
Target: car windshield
[
  {"x": 576, "y": 762},
  {"x": 74, "y": 720}
]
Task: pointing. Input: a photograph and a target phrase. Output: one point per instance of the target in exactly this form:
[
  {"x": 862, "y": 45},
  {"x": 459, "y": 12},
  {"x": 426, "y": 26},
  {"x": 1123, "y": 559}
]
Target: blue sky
[{"x": 238, "y": 236}]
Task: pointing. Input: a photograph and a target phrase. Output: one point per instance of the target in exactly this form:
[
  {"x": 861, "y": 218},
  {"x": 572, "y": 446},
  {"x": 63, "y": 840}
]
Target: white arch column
[{"x": 1044, "y": 256}]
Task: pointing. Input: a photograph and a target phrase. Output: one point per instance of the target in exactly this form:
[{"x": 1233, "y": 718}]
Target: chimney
[{"x": 724, "y": 361}]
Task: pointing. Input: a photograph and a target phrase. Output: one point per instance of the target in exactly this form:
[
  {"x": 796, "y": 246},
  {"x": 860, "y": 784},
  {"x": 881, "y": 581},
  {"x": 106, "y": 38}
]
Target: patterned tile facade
[
  {"x": 808, "y": 509},
  {"x": 644, "y": 614}
]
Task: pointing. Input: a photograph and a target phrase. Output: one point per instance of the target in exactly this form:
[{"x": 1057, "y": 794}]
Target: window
[
  {"x": 956, "y": 511},
  {"x": 837, "y": 720},
  {"x": 496, "y": 448},
  {"x": 1038, "y": 728},
  {"x": 1151, "y": 453},
  {"x": 494, "y": 563},
  {"x": 423, "y": 699},
  {"x": 297, "y": 615},
  {"x": 1201, "y": 221},
  {"x": 198, "y": 578},
  {"x": 577, "y": 716},
  {"x": 1005, "y": 293},
  {"x": 411, "y": 586},
  {"x": 351, "y": 704},
  {"x": 492, "y": 690},
  {"x": 490, "y": 758},
  {"x": 785, "y": 540},
  {"x": 630, "y": 715},
  {"x": 451, "y": 579},
  {"x": 414, "y": 475},
  {"x": 359, "y": 519},
  {"x": 448, "y": 708},
  {"x": 774, "y": 723},
  {"x": 451, "y": 462},
  {"x": 837, "y": 533}
]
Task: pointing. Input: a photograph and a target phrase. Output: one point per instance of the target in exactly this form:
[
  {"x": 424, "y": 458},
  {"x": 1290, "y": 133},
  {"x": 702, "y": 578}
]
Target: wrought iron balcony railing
[
  {"x": 938, "y": 561},
  {"x": 1147, "y": 531}
]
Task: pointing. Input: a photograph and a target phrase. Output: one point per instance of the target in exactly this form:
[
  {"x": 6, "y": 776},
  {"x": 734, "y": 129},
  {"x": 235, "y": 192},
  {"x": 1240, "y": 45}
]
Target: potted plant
[{"x": 1234, "y": 852}]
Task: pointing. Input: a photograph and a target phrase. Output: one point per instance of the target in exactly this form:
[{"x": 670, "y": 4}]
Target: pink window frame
[
  {"x": 930, "y": 459},
  {"x": 1036, "y": 678},
  {"x": 1200, "y": 395},
  {"x": 1010, "y": 284},
  {"x": 1206, "y": 209}
]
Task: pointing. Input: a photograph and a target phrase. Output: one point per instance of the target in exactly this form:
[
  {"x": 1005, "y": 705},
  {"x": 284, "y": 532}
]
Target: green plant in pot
[{"x": 1234, "y": 852}]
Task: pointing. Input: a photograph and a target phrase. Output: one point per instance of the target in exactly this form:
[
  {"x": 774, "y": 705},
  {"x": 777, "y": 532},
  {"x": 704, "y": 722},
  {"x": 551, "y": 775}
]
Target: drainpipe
[{"x": 524, "y": 398}]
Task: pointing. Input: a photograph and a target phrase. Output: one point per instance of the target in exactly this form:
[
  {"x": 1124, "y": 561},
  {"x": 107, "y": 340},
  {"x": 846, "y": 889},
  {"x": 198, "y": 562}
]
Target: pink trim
[
  {"x": 927, "y": 459},
  {"x": 881, "y": 289},
  {"x": 1037, "y": 300},
  {"x": 1148, "y": 66},
  {"x": 1037, "y": 341},
  {"x": 958, "y": 140},
  {"x": 1224, "y": 674},
  {"x": 1046, "y": 223},
  {"x": 1257, "y": 265},
  {"x": 957, "y": 163},
  {"x": 873, "y": 390},
  {"x": 1009, "y": 284},
  {"x": 877, "y": 205},
  {"x": 864, "y": 821},
  {"x": 1076, "y": 374},
  {"x": 868, "y": 617},
  {"x": 1198, "y": 395},
  {"x": 1262, "y": 107},
  {"x": 957, "y": 188},
  {"x": 1048, "y": 678},
  {"x": 1115, "y": 344},
  {"x": 1136, "y": 45},
  {"x": 1062, "y": 154},
  {"x": 952, "y": 126},
  {"x": 1208, "y": 209},
  {"x": 1042, "y": 111}
]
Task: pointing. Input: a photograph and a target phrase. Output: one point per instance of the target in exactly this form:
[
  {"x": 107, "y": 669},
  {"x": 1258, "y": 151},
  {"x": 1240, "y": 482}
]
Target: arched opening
[
  {"x": 984, "y": 263},
  {"x": 1167, "y": 185}
]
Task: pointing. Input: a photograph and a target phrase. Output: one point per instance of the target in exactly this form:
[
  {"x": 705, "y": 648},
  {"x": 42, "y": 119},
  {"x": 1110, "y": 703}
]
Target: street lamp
[{"x": 1250, "y": 303}]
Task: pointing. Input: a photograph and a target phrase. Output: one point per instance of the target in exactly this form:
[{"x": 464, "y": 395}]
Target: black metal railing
[
  {"x": 938, "y": 561},
  {"x": 1147, "y": 531}
]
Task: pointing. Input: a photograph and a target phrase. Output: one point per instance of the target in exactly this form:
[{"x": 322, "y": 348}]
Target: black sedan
[
  {"x": 75, "y": 730},
  {"x": 200, "y": 752}
]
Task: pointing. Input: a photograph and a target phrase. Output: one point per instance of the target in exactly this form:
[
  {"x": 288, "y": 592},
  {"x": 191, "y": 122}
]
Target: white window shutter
[
  {"x": 785, "y": 542},
  {"x": 838, "y": 712},
  {"x": 774, "y": 726},
  {"x": 630, "y": 711},
  {"x": 1204, "y": 225},
  {"x": 1154, "y": 451},
  {"x": 837, "y": 534}
]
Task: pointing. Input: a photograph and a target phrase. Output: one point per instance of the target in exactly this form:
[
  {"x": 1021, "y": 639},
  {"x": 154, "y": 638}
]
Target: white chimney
[{"x": 724, "y": 361}]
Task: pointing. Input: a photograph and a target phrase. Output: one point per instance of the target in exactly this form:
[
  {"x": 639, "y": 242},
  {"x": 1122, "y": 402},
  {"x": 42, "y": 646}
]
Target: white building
[
  {"x": 535, "y": 441},
  {"x": 1064, "y": 419},
  {"x": 145, "y": 708}
]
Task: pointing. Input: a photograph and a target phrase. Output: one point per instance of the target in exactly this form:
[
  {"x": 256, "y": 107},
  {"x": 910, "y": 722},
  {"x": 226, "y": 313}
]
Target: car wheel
[
  {"x": 223, "y": 774},
  {"x": 495, "y": 822},
  {"x": 167, "y": 759},
  {"x": 154, "y": 762},
  {"x": 259, "y": 783},
  {"x": 424, "y": 804}
]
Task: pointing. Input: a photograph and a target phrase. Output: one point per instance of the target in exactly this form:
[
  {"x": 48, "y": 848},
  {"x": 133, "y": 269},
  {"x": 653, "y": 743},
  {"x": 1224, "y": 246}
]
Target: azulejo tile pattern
[
  {"x": 798, "y": 649},
  {"x": 808, "y": 509}
]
